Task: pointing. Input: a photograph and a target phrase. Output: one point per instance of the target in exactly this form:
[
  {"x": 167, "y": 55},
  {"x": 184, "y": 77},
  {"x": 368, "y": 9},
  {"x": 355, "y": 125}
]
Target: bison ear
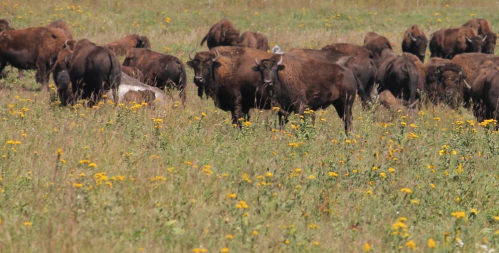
[
  {"x": 389, "y": 46},
  {"x": 70, "y": 44},
  {"x": 190, "y": 64},
  {"x": 255, "y": 68},
  {"x": 280, "y": 67},
  {"x": 216, "y": 65}
]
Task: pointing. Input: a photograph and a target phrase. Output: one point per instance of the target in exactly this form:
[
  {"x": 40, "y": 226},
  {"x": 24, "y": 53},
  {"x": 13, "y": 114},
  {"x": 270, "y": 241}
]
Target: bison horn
[
  {"x": 484, "y": 38},
  {"x": 280, "y": 61},
  {"x": 468, "y": 39},
  {"x": 218, "y": 55},
  {"x": 467, "y": 85},
  {"x": 257, "y": 62},
  {"x": 412, "y": 38},
  {"x": 431, "y": 36},
  {"x": 190, "y": 52}
]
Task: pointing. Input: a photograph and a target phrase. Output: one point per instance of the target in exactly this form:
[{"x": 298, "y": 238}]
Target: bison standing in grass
[
  {"x": 121, "y": 46},
  {"x": 446, "y": 83},
  {"x": 222, "y": 33},
  {"x": 482, "y": 27},
  {"x": 446, "y": 43},
  {"x": 415, "y": 42},
  {"x": 485, "y": 93},
  {"x": 63, "y": 26}
]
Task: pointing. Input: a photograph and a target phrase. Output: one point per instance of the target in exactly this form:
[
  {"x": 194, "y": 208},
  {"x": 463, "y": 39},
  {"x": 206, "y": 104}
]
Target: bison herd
[{"x": 239, "y": 72}]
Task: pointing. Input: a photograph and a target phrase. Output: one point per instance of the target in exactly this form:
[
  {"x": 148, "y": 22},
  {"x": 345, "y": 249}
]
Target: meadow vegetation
[{"x": 130, "y": 177}]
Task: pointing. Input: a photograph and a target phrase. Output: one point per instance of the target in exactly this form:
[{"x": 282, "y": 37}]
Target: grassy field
[{"x": 128, "y": 178}]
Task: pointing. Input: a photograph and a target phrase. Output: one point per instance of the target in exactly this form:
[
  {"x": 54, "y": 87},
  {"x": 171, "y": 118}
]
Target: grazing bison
[
  {"x": 376, "y": 43},
  {"x": 349, "y": 49},
  {"x": 61, "y": 76},
  {"x": 133, "y": 72},
  {"x": 224, "y": 74},
  {"x": 222, "y": 33},
  {"x": 301, "y": 83},
  {"x": 253, "y": 40},
  {"x": 446, "y": 83},
  {"x": 415, "y": 42},
  {"x": 446, "y": 43},
  {"x": 482, "y": 27},
  {"x": 159, "y": 70},
  {"x": 121, "y": 46},
  {"x": 63, "y": 26},
  {"x": 31, "y": 48},
  {"x": 92, "y": 70},
  {"x": 485, "y": 93},
  {"x": 5, "y": 25},
  {"x": 399, "y": 75},
  {"x": 362, "y": 67}
]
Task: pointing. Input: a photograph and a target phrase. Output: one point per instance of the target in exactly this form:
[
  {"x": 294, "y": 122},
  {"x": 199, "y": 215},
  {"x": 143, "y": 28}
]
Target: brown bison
[
  {"x": 222, "y": 33},
  {"x": 446, "y": 83},
  {"x": 92, "y": 70},
  {"x": 121, "y": 46},
  {"x": 485, "y": 93},
  {"x": 415, "y": 42},
  {"x": 159, "y": 70},
  {"x": 133, "y": 72},
  {"x": 224, "y": 74},
  {"x": 399, "y": 75},
  {"x": 472, "y": 63},
  {"x": 63, "y": 26},
  {"x": 349, "y": 49},
  {"x": 389, "y": 101},
  {"x": 31, "y": 48},
  {"x": 446, "y": 43},
  {"x": 363, "y": 68},
  {"x": 253, "y": 40},
  {"x": 437, "y": 61},
  {"x": 300, "y": 83},
  {"x": 6, "y": 25},
  {"x": 376, "y": 43},
  {"x": 421, "y": 67},
  {"x": 482, "y": 27},
  {"x": 61, "y": 76}
]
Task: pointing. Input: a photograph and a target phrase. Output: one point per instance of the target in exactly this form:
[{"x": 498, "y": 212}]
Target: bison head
[
  {"x": 418, "y": 44},
  {"x": 447, "y": 83},
  {"x": 475, "y": 43},
  {"x": 489, "y": 43},
  {"x": 230, "y": 37},
  {"x": 203, "y": 64},
  {"x": 143, "y": 42},
  {"x": 268, "y": 69}
]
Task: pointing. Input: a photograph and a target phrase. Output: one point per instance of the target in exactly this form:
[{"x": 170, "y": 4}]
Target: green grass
[{"x": 134, "y": 178}]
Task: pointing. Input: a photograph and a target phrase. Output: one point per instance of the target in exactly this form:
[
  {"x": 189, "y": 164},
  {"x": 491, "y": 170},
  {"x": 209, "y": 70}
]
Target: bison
[
  {"x": 472, "y": 62},
  {"x": 485, "y": 93},
  {"x": 446, "y": 83},
  {"x": 253, "y": 40},
  {"x": 63, "y": 26},
  {"x": 224, "y": 74},
  {"x": 349, "y": 49},
  {"x": 482, "y": 27},
  {"x": 437, "y": 61},
  {"x": 5, "y": 25},
  {"x": 121, "y": 46},
  {"x": 31, "y": 48},
  {"x": 61, "y": 76},
  {"x": 399, "y": 75},
  {"x": 159, "y": 70},
  {"x": 376, "y": 43},
  {"x": 300, "y": 83},
  {"x": 415, "y": 42},
  {"x": 222, "y": 33},
  {"x": 92, "y": 71},
  {"x": 446, "y": 43}
]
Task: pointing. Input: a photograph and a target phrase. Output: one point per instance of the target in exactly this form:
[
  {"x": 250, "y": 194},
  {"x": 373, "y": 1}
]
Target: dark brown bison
[
  {"x": 349, "y": 49},
  {"x": 159, "y": 70},
  {"x": 376, "y": 43},
  {"x": 472, "y": 63},
  {"x": 415, "y": 42},
  {"x": 222, "y": 33},
  {"x": 63, "y": 26},
  {"x": 6, "y": 25},
  {"x": 363, "y": 68},
  {"x": 92, "y": 70},
  {"x": 121, "y": 46},
  {"x": 300, "y": 83},
  {"x": 446, "y": 83},
  {"x": 437, "y": 61},
  {"x": 31, "y": 48},
  {"x": 399, "y": 75},
  {"x": 482, "y": 27},
  {"x": 421, "y": 67},
  {"x": 253, "y": 40},
  {"x": 61, "y": 76},
  {"x": 224, "y": 74},
  {"x": 446, "y": 43},
  {"x": 133, "y": 72},
  {"x": 485, "y": 93}
]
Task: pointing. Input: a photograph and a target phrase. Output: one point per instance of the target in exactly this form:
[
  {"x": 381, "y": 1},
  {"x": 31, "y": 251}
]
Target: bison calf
[{"x": 222, "y": 33}]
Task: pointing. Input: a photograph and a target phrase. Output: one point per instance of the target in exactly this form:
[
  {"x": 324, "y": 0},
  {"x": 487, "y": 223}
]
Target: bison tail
[
  {"x": 360, "y": 90},
  {"x": 204, "y": 39}
]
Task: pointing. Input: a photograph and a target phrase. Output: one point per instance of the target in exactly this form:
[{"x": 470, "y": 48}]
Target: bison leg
[
  {"x": 42, "y": 75},
  {"x": 343, "y": 107}
]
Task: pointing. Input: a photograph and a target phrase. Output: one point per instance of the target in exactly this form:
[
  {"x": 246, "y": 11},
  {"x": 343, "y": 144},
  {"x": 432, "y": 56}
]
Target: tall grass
[{"x": 127, "y": 178}]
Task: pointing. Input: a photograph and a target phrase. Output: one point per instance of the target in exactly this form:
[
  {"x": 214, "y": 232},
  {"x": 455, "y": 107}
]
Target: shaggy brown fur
[
  {"x": 349, "y": 49},
  {"x": 141, "y": 96},
  {"x": 121, "y": 46},
  {"x": 389, "y": 101},
  {"x": 253, "y": 40},
  {"x": 61, "y": 76},
  {"x": 376, "y": 43},
  {"x": 31, "y": 48},
  {"x": 222, "y": 33},
  {"x": 159, "y": 70},
  {"x": 421, "y": 67},
  {"x": 415, "y": 42},
  {"x": 485, "y": 93},
  {"x": 482, "y": 27},
  {"x": 472, "y": 62},
  {"x": 63, "y": 26},
  {"x": 437, "y": 61},
  {"x": 5, "y": 25},
  {"x": 445, "y": 83},
  {"x": 446, "y": 43}
]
